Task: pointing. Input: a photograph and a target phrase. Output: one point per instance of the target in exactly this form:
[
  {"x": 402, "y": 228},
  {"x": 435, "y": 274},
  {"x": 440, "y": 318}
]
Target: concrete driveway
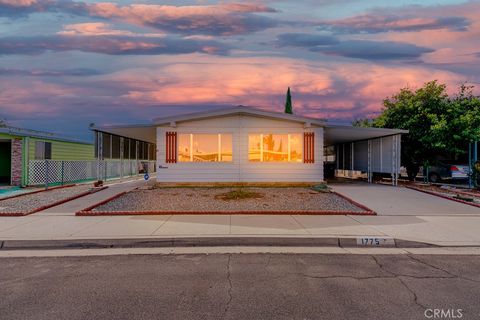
[{"x": 388, "y": 200}]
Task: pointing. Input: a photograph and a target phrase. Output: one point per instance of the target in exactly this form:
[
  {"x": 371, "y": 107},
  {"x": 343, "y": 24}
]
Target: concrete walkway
[
  {"x": 389, "y": 200},
  {"x": 69, "y": 208}
]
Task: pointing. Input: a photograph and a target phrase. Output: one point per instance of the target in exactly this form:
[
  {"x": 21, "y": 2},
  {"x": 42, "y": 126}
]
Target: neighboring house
[
  {"x": 19, "y": 146},
  {"x": 244, "y": 144}
]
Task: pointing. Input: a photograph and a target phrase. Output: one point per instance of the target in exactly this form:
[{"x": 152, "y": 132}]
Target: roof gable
[{"x": 240, "y": 110}]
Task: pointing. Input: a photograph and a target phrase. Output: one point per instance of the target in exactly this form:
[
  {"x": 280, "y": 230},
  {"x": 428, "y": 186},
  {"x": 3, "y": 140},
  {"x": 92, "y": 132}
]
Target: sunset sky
[{"x": 65, "y": 64}]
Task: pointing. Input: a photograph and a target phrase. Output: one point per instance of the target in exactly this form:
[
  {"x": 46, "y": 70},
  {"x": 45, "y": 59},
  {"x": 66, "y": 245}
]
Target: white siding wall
[{"x": 240, "y": 170}]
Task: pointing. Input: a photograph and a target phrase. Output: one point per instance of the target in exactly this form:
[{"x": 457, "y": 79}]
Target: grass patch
[
  {"x": 239, "y": 194},
  {"x": 321, "y": 188}
]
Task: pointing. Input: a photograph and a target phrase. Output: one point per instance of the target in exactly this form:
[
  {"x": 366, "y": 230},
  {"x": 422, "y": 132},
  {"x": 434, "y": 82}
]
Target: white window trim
[
  {"x": 43, "y": 150},
  {"x": 219, "y": 149},
  {"x": 289, "y": 148}
]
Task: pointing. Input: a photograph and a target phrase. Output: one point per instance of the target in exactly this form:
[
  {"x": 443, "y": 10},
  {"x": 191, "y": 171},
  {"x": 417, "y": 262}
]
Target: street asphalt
[{"x": 240, "y": 286}]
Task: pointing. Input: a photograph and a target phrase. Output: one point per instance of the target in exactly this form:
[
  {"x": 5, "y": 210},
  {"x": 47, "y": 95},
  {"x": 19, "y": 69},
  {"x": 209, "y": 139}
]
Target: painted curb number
[{"x": 374, "y": 241}]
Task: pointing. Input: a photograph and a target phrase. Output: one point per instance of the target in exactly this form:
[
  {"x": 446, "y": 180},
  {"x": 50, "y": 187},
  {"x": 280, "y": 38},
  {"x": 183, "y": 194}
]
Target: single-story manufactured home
[
  {"x": 244, "y": 144},
  {"x": 19, "y": 146}
]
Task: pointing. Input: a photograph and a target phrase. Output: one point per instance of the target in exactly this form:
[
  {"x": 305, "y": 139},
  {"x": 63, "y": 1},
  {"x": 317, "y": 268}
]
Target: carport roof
[
  {"x": 142, "y": 132},
  {"x": 335, "y": 134}
]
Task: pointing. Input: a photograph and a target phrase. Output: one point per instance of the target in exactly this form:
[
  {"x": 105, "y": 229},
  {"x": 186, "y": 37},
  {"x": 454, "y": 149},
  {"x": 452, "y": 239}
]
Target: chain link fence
[{"x": 54, "y": 172}]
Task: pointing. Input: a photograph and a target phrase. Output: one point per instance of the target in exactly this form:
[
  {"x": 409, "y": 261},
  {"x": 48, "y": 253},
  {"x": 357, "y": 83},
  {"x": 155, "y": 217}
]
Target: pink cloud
[
  {"x": 216, "y": 19},
  {"x": 377, "y": 23},
  {"x": 339, "y": 90},
  {"x": 223, "y": 18},
  {"x": 100, "y": 29},
  {"x": 450, "y": 46},
  {"x": 19, "y": 3},
  {"x": 342, "y": 90},
  {"x": 29, "y": 96}
]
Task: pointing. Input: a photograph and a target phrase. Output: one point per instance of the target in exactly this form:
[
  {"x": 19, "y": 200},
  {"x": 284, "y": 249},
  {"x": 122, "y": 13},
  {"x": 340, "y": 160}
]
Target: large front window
[
  {"x": 275, "y": 147},
  {"x": 201, "y": 147}
]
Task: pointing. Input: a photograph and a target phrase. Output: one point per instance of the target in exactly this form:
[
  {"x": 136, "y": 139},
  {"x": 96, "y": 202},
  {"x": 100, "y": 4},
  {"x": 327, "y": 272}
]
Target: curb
[
  {"x": 88, "y": 211},
  {"x": 200, "y": 242},
  {"x": 54, "y": 204},
  {"x": 443, "y": 196}
]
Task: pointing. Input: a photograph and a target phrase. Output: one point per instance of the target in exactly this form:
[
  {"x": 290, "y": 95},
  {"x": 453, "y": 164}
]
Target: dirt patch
[{"x": 238, "y": 194}]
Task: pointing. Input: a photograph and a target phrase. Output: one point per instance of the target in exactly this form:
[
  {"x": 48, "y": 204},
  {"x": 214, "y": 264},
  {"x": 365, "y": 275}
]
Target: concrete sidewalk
[{"x": 439, "y": 230}]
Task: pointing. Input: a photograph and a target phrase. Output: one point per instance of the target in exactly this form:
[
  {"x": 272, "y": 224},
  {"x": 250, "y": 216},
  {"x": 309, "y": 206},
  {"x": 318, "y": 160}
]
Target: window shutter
[
  {"x": 171, "y": 147},
  {"x": 308, "y": 147}
]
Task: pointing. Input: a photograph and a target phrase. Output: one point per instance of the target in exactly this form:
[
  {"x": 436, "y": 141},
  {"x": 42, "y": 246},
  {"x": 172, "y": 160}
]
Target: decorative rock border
[
  {"x": 53, "y": 204},
  {"x": 433, "y": 193},
  {"x": 89, "y": 211}
]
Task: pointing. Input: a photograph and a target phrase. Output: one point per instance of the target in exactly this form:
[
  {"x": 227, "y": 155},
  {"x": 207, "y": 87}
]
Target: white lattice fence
[
  {"x": 114, "y": 169},
  {"x": 42, "y": 172}
]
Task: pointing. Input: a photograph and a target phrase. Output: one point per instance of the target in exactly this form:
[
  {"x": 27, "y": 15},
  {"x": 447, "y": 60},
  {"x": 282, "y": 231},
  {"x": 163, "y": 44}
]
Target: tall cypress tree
[{"x": 288, "y": 103}]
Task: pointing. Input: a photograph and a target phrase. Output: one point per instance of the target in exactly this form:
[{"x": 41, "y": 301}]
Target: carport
[{"x": 358, "y": 151}]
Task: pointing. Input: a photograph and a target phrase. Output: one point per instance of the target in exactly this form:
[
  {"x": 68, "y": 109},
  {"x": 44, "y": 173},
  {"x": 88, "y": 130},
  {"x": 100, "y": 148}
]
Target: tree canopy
[{"x": 437, "y": 123}]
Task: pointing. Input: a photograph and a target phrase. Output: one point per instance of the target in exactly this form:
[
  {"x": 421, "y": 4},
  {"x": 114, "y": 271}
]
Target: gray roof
[
  {"x": 335, "y": 133},
  {"x": 20, "y": 132}
]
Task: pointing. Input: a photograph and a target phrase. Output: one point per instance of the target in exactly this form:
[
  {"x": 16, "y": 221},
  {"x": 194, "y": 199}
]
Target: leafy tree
[
  {"x": 363, "y": 123},
  {"x": 437, "y": 123}
]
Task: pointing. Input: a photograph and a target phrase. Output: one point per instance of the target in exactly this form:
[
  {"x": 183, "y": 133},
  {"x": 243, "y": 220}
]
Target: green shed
[{"x": 19, "y": 146}]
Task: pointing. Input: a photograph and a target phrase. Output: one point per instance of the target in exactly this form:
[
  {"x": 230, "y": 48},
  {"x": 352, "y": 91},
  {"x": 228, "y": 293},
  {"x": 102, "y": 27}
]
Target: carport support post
[
  {"x": 337, "y": 149},
  {"x": 394, "y": 160},
  {"x": 475, "y": 151},
  {"x": 122, "y": 143},
  {"x": 475, "y": 159},
  {"x": 351, "y": 159},
  {"x": 369, "y": 161},
  {"x": 470, "y": 165}
]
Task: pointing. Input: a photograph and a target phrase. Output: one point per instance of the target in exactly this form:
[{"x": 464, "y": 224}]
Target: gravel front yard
[
  {"x": 30, "y": 202},
  {"x": 210, "y": 200}
]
